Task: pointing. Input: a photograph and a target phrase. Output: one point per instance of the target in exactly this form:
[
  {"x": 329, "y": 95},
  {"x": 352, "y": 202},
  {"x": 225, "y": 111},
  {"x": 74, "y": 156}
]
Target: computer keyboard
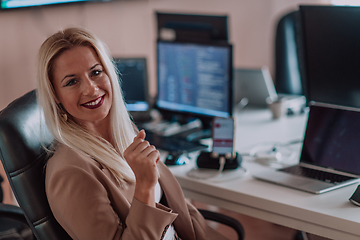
[
  {"x": 316, "y": 174},
  {"x": 173, "y": 144}
]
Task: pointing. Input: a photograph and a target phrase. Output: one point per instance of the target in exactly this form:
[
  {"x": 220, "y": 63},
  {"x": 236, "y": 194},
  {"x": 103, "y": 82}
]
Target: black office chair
[
  {"x": 10, "y": 218},
  {"x": 13, "y": 224},
  {"x": 288, "y": 62},
  {"x": 288, "y": 54},
  {"x": 23, "y": 158}
]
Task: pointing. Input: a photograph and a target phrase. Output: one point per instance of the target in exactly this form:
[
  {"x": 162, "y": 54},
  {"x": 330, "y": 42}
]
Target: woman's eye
[
  {"x": 71, "y": 82},
  {"x": 96, "y": 72}
]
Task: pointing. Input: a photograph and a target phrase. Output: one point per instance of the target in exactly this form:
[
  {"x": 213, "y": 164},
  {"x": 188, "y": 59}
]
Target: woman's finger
[
  {"x": 141, "y": 134},
  {"x": 149, "y": 150},
  {"x": 138, "y": 139}
]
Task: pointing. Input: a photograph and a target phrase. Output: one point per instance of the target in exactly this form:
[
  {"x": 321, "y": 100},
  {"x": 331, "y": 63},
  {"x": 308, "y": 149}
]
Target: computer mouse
[
  {"x": 355, "y": 198},
  {"x": 174, "y": 158}
]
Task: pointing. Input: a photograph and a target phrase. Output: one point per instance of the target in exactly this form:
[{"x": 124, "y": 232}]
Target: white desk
[{"x": 329, "y": 214}]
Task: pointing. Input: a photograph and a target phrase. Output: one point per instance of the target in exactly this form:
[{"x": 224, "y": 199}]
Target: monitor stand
[
  {"x": 202, "y": 131},
  {"x": 192, "y": 131},
  {"x": 198, "y": 135},
  {"x": 183, "y": 126}
]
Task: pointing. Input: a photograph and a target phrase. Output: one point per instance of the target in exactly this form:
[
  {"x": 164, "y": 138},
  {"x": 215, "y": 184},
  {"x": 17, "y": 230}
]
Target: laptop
[
  {"x": 133, "y": 75},
  {"x": 330, "y": 156},
  {"x": 254, "y": 84}
]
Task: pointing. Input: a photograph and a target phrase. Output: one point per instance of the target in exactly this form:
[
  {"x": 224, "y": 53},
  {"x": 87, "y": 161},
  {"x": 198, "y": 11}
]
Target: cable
[
  {"x": 273, "y": 152},
  {"x": 222, "y": 162},
  {"x": 197, "y": 173}
]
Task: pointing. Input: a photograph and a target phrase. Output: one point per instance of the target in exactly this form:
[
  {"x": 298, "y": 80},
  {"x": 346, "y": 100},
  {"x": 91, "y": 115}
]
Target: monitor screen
[
  {"x": 134, "y": 83},
  {"x": 195, "y": 79},
  {"x": 12, "y": 4},
  {"x": 331, "y": 54},
  {"x": 193, "y": 28}
]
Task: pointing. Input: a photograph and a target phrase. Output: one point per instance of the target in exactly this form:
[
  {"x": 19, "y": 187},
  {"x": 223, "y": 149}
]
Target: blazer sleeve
[
  {"x": 81, "y": 204},
  {"x": 190, "y": 224}
]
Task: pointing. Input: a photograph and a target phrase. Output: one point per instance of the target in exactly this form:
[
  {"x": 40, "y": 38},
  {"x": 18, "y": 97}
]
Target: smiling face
[{"x": 83, "y": 87}]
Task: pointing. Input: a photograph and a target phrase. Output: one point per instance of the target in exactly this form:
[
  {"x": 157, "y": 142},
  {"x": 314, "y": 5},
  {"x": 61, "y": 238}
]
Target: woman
[{"x": 104, "y": 181}]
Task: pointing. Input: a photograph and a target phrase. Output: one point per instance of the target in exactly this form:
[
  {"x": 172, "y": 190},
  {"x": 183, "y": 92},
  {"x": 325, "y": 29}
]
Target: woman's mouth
[{"x": 94, "y": 103}]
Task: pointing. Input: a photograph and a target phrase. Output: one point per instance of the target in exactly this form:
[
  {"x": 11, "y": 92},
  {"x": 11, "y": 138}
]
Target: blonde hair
[{"x": 68, "y": 132}]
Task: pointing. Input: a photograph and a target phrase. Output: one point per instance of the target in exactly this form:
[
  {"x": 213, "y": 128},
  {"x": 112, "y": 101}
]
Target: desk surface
[{"x": 329, "y": 214}]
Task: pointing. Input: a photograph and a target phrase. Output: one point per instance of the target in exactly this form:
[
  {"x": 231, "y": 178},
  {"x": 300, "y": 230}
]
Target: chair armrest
[
  {"x": 224, "y": 219},
  {"x": 13, "y": 212}
]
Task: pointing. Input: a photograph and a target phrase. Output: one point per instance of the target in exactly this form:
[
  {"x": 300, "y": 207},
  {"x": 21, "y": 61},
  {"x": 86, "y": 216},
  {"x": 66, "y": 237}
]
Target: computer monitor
[
  {"x": 194, "y": 80},
  {"x": 193, "y": 27},
  {"x": 17, "y": 4},
  {"x": 331, "y": 53},
  {"x": 133, "y": 76}
]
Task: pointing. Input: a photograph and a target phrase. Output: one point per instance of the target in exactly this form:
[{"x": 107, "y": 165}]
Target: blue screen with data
[
  {"x": 195, "y": 78},
  {"x": 5, "y": 4}
]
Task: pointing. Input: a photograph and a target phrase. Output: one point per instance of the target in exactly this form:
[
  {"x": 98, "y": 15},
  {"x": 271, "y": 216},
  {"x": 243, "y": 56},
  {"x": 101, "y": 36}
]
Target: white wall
[{"x": 128, "y": 28}]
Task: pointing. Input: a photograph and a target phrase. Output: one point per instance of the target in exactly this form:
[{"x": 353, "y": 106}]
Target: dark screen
[
  {"x": 195, "y": 79},
  {"x": 332, "y": 138},
  {"x": 133, "y": 76},
  {"x": 331, "y": 37}
]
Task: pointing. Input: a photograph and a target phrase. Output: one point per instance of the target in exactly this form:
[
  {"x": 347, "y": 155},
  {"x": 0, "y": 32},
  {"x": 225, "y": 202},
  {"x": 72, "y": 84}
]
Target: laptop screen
[
  {"x": 255, "y": 85},
  {"x": 332, "y": 138}
]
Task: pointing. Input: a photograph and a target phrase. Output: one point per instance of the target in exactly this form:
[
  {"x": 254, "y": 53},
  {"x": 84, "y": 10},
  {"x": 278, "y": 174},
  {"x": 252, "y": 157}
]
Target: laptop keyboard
[
  {"x": 316, "y": 174},
  {"x": 172, "y": 143}
]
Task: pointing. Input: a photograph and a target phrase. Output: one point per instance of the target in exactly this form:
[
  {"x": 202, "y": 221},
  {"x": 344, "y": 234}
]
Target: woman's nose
[{"x": 89, "y": 86}]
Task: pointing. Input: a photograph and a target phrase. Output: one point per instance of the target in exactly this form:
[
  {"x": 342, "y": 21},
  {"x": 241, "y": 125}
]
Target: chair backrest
[
  {"x": 22, "y": 132},
  {"x": 287, "y": 55}
]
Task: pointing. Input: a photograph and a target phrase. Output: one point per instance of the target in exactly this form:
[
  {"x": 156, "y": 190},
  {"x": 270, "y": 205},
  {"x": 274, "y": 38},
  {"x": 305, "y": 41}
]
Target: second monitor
[
  {"x": 133, "y": 77},
  {"x": 331, "y": 50}
]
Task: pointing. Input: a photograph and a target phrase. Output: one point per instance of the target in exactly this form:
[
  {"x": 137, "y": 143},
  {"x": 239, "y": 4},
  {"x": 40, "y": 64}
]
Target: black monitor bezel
[{"x": 184, "y": 116}]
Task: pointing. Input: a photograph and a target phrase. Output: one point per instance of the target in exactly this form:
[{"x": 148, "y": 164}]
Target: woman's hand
[{"x": 142, "y": 158}]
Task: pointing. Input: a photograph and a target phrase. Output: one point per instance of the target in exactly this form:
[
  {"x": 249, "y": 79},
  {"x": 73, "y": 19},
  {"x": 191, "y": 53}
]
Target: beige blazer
[{"x": 89, "y": 204}]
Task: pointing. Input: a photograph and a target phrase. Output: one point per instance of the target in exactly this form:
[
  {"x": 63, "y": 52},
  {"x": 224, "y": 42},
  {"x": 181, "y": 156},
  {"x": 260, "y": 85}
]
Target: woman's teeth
[{"x": 94, "y": 102}]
